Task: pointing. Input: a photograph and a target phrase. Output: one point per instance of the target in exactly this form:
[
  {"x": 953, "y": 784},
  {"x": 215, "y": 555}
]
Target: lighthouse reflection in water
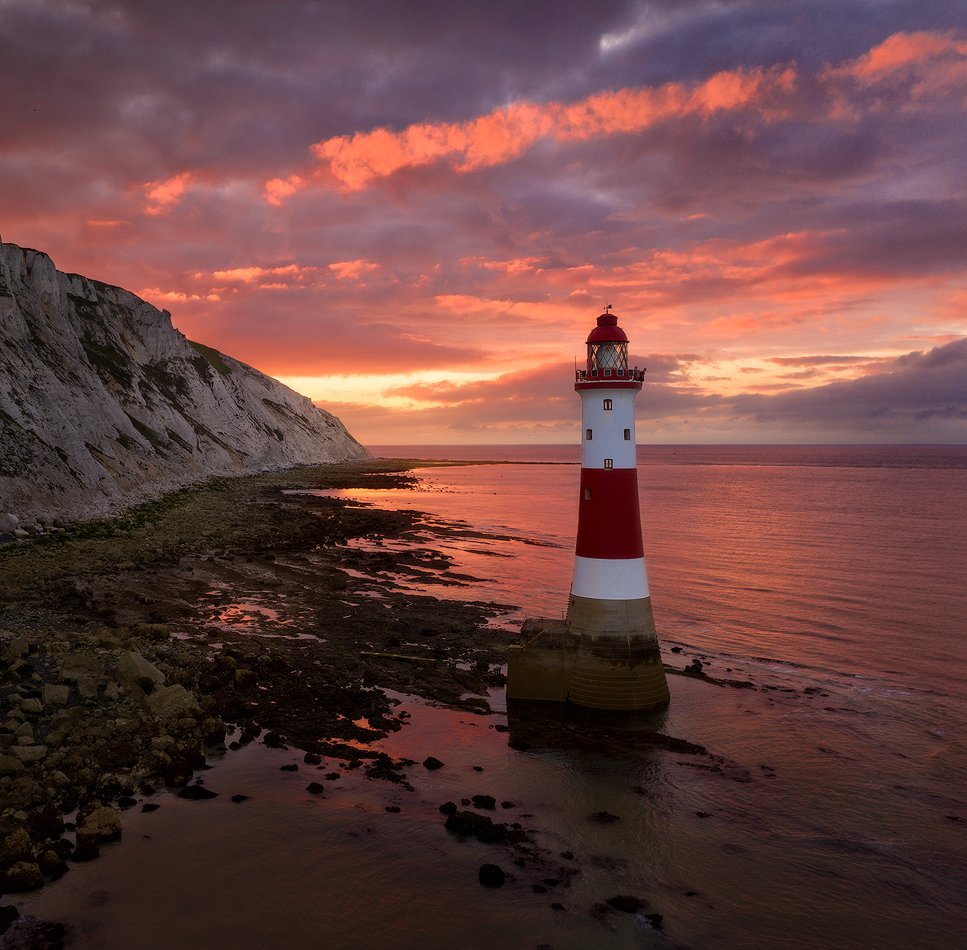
[{"x": 605, "y": 654}]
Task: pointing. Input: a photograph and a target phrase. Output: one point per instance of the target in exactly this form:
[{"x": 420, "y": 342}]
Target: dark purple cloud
[{"x": 914, "y": 390}]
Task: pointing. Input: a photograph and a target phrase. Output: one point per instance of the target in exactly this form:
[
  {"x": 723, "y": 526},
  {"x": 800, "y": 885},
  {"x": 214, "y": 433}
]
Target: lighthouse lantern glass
[{"x": 607, "y": 356}]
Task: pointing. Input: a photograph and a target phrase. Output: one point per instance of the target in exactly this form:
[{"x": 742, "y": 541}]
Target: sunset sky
[{"x": 413, "y": 211}]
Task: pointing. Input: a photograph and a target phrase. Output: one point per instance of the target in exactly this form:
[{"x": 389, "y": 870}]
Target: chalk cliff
[{"x": 104, "y": 404}]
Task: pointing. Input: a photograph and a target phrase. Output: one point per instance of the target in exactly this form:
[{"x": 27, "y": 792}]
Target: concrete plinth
[
  {"x": 618, "y": 677},
  {"x": 555, "y": 664},
  {"x": 539, "y": 667}
]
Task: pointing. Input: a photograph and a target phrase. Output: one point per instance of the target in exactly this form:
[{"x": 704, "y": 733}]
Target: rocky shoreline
[
  {"x": 252, "y": 609},
  {"x": 127, "y": 647}
]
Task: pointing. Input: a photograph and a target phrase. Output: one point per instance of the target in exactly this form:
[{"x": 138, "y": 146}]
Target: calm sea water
[{"x": 832, "y": 578}]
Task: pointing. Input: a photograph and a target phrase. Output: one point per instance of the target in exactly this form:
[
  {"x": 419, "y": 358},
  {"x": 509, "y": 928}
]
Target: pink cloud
[
  {"x": 163, "y": 195},
  {"x": 350, "y": 270},
  {"x": 173, "y": 296},
  {"x": 249, "y": 275},
  {"x": 277, "y": 189},
  {"x": 901, "y": 51},
  {"x": 506, "y": 133},
  {"x": 906, "y": 71}
]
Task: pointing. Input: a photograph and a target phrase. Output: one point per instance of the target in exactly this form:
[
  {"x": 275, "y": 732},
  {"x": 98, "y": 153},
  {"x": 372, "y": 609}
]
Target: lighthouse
[
  {"x": 618, "y": 665},
  {"x": 605, "y": 654}
]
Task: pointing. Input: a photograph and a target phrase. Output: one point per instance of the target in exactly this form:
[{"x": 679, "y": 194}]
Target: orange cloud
[
  {"x": 519, "y": 265},
  {"x": 163, "y": 195},
  {"x": 347, "y": 270},
  {"x": 276, "y": 189},
  {"x": 900, "y": 51},
  {"x": 505, "y": 134},
  {"x": 914, "y": 70},
  {"x": 249, "y": 275},
  {"x": 172, "y": 296}
]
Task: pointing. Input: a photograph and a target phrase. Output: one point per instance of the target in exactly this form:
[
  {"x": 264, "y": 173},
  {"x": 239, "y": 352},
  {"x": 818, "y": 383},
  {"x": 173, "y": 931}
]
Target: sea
[{"x": 824, "y": 591}]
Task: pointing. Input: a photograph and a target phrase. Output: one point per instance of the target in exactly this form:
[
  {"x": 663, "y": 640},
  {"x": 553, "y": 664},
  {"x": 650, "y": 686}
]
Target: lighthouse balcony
[
  {"x": 634, "y": 375},
  {"x": 608, "y": 378}
]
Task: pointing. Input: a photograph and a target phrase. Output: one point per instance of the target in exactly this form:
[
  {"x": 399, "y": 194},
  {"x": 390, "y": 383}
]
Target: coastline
[{"x": 117, "y": 681}]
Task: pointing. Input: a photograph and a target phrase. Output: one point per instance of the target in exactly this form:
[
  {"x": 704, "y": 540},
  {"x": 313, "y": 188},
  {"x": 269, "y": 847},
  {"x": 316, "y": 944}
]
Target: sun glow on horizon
[{"x": 374, "y": 390}]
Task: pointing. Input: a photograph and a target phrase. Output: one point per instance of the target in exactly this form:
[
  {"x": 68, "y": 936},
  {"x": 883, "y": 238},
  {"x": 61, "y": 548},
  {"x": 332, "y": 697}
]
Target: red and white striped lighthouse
[{"x": 618, "y": 664}]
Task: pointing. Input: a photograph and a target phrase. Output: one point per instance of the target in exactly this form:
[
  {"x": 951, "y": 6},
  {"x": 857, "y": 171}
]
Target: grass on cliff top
[{"x": 213, "y": 356}]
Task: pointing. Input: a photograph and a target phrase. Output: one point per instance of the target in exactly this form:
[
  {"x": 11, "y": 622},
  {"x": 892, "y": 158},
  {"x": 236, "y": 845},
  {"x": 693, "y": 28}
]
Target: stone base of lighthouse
[{"x": 604, "y": 656}]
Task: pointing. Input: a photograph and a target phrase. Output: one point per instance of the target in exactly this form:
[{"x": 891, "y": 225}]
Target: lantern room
[{"x": 608, "y": 353}]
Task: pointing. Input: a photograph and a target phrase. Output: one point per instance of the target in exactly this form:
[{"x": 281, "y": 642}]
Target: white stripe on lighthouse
[
  {"x": 610, "y": 578},
  {"x": 607, "y": 427}
]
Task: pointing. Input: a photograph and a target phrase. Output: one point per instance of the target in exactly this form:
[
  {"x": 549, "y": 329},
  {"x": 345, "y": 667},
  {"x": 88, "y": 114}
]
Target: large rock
[
  {"x": 14, "y": 846},
  {"x": 9, "y": 765},
  {"x": 173, "y": 702},
  {"x": 134, "y": 668},
  {"x": 101, "y": 824},
  {"x": 104, "y": 404},
  {"x": 22, "y": 876},
  {"x": 29, "y": 754},
  {"x": 469, "y": 824},
  {"x": 55, "y": 695}
]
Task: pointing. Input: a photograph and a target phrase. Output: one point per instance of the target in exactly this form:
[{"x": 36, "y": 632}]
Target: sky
[{"x": 414, "y": 211}]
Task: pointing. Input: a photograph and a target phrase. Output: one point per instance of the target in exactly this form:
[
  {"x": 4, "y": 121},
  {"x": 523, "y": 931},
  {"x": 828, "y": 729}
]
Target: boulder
[
  {"x": 10, "y": 765},
  {"x": 14, "y": 846},
  {"x": 173, "y": 702},
  {"x": 197, "y": 793},
  {"x": 55, "y": 695},
  {"x": 490, "y": 875},
  {"x": 133, "y": 668},
  {"x": 51, "y": 863},
  {"x": 87, "y": 687},
  {"x": 469, "y": 824},
  {"x": 102, "y": 824},
  {"x": 22, "y": 876},
  {"x": 626, "y": 903},
  {"x": 29, "y": 754}
]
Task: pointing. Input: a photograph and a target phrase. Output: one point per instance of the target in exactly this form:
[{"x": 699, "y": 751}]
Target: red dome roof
[{"x": 607, "y": 330}]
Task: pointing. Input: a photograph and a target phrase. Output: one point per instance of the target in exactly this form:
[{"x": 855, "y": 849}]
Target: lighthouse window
[
  {"x": 587, "y": 494},
  {"x": 627, "y": 435},
  {"x": 589, "y": 434},
  {"x": 609, "y": 463},
  {"x": 607, "y": 403}
]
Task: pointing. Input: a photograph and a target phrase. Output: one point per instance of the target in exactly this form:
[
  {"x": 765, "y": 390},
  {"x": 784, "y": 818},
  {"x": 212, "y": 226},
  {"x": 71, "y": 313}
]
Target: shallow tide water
[{"x": 834, "y": 813}]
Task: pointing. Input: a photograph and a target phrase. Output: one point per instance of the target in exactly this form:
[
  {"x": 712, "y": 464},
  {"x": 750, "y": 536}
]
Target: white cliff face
[{"x": 104, "y": 404}]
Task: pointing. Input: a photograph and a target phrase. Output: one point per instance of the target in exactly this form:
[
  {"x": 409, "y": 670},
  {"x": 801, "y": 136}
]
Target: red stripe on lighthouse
[{"x": 609, "y": 521}]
